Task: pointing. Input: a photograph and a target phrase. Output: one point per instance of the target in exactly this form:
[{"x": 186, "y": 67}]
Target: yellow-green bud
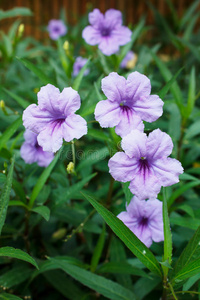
[
  {"x": 20, "y": 30},
  {"x": 70, "y": 168}
]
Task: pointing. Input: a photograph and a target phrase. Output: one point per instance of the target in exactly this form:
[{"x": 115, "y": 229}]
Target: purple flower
[
  {"x": 144, "y": 219},
  {"x": 106, "y": 31},
  {"x": 56, "y": 29},
  {"x": 129, "y": 60},
  {"x": 145, "y": 163},
  {"x": 54, "y": 118},
  {"x": 129, "y": 102},
  {"x": 31, "y": 152},
  {"x": 78, "y": 64}
]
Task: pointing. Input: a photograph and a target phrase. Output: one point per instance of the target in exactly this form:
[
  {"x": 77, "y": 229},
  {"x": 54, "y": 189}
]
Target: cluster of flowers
[{"x": 144, "y": 161}]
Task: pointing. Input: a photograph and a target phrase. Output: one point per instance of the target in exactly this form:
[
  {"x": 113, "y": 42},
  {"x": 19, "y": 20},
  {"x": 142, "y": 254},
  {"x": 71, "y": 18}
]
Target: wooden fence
[{"x": 44, "y": 10}]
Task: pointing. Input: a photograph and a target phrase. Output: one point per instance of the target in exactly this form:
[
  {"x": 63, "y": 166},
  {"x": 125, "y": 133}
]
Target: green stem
[
  {"x": 172, "y": 291},
  {"x": 73, "y": 153}
]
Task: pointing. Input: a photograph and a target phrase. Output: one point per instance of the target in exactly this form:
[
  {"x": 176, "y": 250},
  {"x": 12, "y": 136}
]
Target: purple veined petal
[
  {"x": 107, "y": 113},
  {"x": 96, "y": 18},
  {"x": 122, "y": 167},
  {"x": 108, "y": 45},
  {"x": 137, "y": 86},
  {"x": 167, "y": 170},
  {"x": 122, "y": 35},
  {"x": 134, "y": 144},
  {"x": 113, "y": 18},
  {"x": 91, "y": 35},
  {"x": 28, "y": 152},
  {"x": 128, "y": 122},
  {"x": 36, "y": 119},
  {"x": 114, "y": 87},
  {"x": 47, "y": 97},
  {"x": 74, "y": 127},
  {"x": 69, "y": 101},
  {"x": 159, "y": 144},
  {"x": 128, "y": 220},
  {"x": 143, "y": 234},
  {"x": 145, "y": 185},
  {"x": 51, "y": 137},
  {"x": 150, "y": 108}
]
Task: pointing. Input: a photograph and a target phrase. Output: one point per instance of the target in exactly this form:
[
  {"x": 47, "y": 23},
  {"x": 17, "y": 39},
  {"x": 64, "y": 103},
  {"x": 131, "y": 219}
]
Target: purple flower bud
[{"x": 106, "y": 31}]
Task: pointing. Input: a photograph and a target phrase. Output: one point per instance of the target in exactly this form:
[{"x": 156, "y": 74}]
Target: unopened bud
[
  {"x": 3, "y": 107},
  {"x": 131, "y": 63},
  {"x": 20, "y": 30},
  {"x": 66, "y": 47},
  {"x": 70, "y": 168}
]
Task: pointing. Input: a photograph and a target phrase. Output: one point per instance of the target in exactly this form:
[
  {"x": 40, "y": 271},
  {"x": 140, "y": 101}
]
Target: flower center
[
  {"x": 105, "y": 31},
  {"x": 56, "y": 29},
  {"x": 37, "y": 146},
  {"x": 143, "y": 221}
]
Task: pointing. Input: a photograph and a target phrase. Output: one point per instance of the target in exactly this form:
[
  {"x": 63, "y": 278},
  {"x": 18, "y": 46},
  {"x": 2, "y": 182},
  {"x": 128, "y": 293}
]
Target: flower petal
[
  {"x": 107, "y": 113},
  {"x": 128, "y": 122},
  {"x": 134, "y": 144},
  {"x": 150, "y": 108},
  {"x": 91, "y": 35},
  {"x": 137, "y": 86},
  {"x": 51, "y": 137},
  {"x": 159, "y": 144},
  {"x": 47, "y": 97},
  {"x": 122, "y": 35},
  {"x": 167, "y": 170},
  {"x": 69, "y": 101},
  {"x": 114, "y": 87},
  {"x": 28, "y": 153},
  {"x": 121, "y": 167},
  {"x": 74, "y": 127},
  {"x": 108, "y": 45},
  {"x": 145, "y": 185},
  {"x": 44, "y": 158},
  {"x": 96, "y": 18},
  {"x": 113, "y": 18},
  {"x": 36, "y": 119}
]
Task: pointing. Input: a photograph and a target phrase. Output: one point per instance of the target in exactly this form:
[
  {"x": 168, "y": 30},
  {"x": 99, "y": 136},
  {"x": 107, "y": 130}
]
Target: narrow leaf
[
  {"x": 17, "y": 253},
  {"x": 191, "y": 93},
  {"x": 43, "y": 178},
  {"x": 167, "y": 232},
  {"x": 128, "y": 237},
  {"x": 9, "y": 132},
  {"x": 98, "y": 250},
  {"x": 23, "y": 103},
  {"x": 101, "y": 285},
  {"x": 4, "y": 200},
  {"x": 80, "y": 75},
  {"x": 166, "y": 88},
  {"x": 42, "y": 210},
  {"x": 6, "y": 296},
  {"x": 14, "y": 12}
]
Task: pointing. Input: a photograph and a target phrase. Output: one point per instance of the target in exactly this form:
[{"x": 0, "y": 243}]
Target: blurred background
[{"x": 45, "y": 10}]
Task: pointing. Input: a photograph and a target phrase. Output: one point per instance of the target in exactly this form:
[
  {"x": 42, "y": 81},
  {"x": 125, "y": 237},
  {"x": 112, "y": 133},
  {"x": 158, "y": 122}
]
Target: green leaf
[
  {"x": 101, "y": 285},
  {"x": 144, "y": 286},
  {"x": 38, "y": 72},
  {"x": 68, "y": 193},
  {"x": 187, "y": 271},
  {"x": 121, "y": 268},
  {"x": 128, "y": 237},
  {"x": 190, "y": 282},
  {"x": 190, "y": 253},
  {"x": 191, "y": 94},
  {"x": 178, "y": 192},
  {"x": 43, "y": 178},
  {"x": 127, "y": 192},
  {"x": 166, "y": 88},
  {"x": 93, "y": 158},
  {"x": 6, "y": 296},
  {"x": 79, "y": 77},
  {"x": 42, "y": 210},
  {"x": 174, "y": 88},
  {"x": 98, "y": 250},
  {"x": 99, "y": 135},
  {"x": 9, "y": 132},
  {"x": 5, "y": 195},
  {"x": 191, "y": 223},
  {"x": 17, "y": 253},
  {"x": 104, "y": 64},
  {"x": 167, "y": 235},
  {"x": 15, "y": 276},
  {"x": 14, "y": 12},
  {"x": 192, "y": 130},
  {"x": 23, "y": 103}
]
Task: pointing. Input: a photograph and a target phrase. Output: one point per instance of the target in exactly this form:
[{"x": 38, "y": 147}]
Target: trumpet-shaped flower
[
  {"x": 31, "y": 152},
  {"x": 56, "y": 29},
  {"x": 128, "y": 103},
  {"x": 78, "y": 64},
  {"x": 54, "y": 118},
  {"x": 144, "y": 219},
  {"x": 145, "y": 163},
  {"x": 106, "y": 31}
]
